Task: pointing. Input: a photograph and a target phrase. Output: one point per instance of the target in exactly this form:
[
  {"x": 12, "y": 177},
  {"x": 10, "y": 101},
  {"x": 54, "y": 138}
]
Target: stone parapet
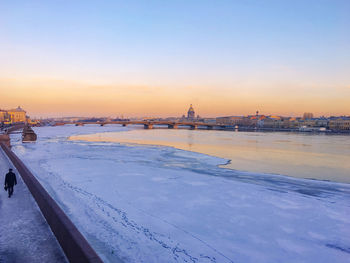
[{"x": 5, "y": 139}]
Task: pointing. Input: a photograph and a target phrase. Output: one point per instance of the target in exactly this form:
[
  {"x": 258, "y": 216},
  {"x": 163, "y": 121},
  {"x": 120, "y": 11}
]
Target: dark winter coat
[{"x": 10, "y": 179}]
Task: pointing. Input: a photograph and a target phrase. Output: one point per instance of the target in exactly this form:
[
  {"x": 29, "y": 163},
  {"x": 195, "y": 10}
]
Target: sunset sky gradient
[{"x": 154, "y": 58}]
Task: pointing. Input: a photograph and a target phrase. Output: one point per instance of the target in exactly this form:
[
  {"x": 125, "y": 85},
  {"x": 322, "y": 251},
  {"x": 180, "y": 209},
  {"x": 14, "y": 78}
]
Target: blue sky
[{"x": 230, "y": 47}]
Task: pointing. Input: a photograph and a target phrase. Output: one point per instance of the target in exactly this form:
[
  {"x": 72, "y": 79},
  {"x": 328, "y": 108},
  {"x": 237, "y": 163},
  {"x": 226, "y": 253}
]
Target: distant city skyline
[
  {"x": 191, "y": 113},
  {"x": 150, "y": 58}
]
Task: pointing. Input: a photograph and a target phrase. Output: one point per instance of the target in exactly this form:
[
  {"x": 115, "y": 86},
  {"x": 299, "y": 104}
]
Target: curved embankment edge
[{"x": 73, "y": 243}]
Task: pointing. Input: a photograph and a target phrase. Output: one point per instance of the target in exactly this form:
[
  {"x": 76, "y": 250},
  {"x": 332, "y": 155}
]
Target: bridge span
[{"x": 152, "y": 124}]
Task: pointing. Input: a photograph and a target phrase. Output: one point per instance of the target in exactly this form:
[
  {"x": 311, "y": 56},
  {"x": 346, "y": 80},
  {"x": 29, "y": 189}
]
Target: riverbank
[{"x": 25, "y": 235}]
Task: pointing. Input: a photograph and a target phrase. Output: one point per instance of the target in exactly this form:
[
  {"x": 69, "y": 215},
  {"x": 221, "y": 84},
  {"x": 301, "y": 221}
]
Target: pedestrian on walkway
[{"x": 10, "y": 181}]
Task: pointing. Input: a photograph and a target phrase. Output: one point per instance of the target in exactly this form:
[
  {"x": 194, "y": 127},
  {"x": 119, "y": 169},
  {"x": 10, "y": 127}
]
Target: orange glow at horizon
[{"x": 48, "y": 97}]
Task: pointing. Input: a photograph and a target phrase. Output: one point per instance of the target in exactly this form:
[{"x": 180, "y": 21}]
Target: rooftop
[{"x": 18, "y": 109}]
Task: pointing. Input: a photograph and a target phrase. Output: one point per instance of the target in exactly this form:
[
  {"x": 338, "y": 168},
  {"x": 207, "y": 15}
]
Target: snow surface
[{"x": 138, "y": 203}]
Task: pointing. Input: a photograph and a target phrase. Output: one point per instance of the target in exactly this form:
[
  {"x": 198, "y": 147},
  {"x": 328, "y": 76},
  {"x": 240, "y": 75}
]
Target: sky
[{"x": 154, "y": 58}]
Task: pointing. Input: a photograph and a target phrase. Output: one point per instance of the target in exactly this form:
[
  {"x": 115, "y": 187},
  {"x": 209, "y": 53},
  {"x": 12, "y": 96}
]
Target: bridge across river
[{"x": 151, "y": 124}]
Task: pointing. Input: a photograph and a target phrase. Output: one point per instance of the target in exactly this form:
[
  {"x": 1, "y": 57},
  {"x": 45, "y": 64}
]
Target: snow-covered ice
[{"x": 139, "y": 203}]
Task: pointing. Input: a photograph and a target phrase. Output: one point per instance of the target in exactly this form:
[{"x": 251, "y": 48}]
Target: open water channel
[{"x": 303, "y": 155}]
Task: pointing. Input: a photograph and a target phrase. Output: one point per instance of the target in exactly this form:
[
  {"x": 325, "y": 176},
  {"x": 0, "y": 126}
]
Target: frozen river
[
  {"x": 149, "y": 203},
  {"x": 303, "y": 155}
]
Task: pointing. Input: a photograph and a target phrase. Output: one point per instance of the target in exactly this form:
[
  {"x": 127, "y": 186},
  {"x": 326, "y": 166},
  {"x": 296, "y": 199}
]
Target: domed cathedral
[{"x": 190, "y": 113}]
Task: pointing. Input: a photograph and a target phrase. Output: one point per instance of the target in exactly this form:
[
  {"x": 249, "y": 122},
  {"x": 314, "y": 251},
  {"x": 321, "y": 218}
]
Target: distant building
[
  {"x": 229, "y": 120},
  {"x": 322, "y": 122},
  {"x": 314, "y": 122},
  {"x": 290, "y": 123},
  {"x": 13, "y": 116},
  {"x": 305, "y": 123},
  {"x": 339, "y": 124},
  {"x": 3, "y": 116},
  {"x": 190, "y": 113},
  {"x": 271, "y": 122},
  {"x": 17, "y": 115},
  {"x": 308, "y": 115},
  {"x": 209, "y": 120},
  {"x": 235, "y": 120}
]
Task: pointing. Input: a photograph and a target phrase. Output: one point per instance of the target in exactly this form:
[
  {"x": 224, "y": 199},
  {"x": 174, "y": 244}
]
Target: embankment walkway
[{"x": 25, "y": 235}]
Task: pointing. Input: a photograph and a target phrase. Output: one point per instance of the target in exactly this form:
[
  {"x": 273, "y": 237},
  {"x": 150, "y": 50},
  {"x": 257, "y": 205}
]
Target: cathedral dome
[{"x": 191, "y": 113}]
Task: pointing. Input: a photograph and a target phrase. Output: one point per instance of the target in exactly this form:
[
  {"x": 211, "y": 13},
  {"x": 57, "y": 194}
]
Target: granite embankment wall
[
  {"x": 5, "y": 139},
  {"x": 4, "y": 133},
  {"x": 73, "y": 243}
]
